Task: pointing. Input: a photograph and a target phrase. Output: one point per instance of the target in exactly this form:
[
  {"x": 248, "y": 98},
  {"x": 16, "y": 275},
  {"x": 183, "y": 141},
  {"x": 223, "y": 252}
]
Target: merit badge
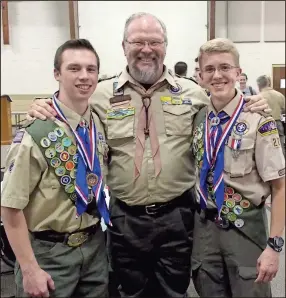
[
  {"x": 73, "y": 197},
  {"x": 237, "y": 197},
  {"x": 18, "y": 137},
  {"x": 175, "y": 89},
  {"x": 72, "y": 173},
  {"x": 60, "y": 171},
  {"x": 268, "y": 127},
  {"x": 72, "y": 150},
  {"x": 215, "y": 121},
  {"x": 241, "y": 128},
  {"x": 65, "y": 180},
  {"x": 119, "y": 91},
  {"x": 45, "y": 142},
  {"x": 239, "y": 223},
  {"x": 91, "y": 179},
  {"x": 231, "y": 216},
  {"x": 66, "y": 142},
  {"x": 230, "y": 203},
  {"x": 229, "y": 190},
  {"x": 244, "y": 204},
  {"x": 69, "y": 165},
  {"x": 64, "y": 156},
  {"x": 59, "y": 132},
  {"x": 52, "y": 136},
  {"x": 75, "y": 158},
  {"x": 166, "y": 100},
  {"x": 69, "y": 188},
  {"x": 224, "y": 209},
  {"x": 237, "y": 210},
  {"x": 59, "y": 147},
  {"x": 50, "y": 153},
  {"x": 55, "y": 162},
  {"x": 11, "y": 166}
]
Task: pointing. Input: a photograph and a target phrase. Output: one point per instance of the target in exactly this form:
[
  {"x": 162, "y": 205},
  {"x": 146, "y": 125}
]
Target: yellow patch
[{"x": 166, "y": 100}]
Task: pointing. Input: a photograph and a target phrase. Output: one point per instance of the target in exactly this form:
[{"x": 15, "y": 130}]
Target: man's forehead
[
  {"x": 145, "y": 24},
  {"x": 79, "y": 56},
  {"x": 217, "y": 58}
]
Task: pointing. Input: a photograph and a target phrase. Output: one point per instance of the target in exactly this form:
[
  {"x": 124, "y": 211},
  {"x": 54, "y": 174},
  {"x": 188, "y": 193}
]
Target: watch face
[{"x": 278, "y": 241}]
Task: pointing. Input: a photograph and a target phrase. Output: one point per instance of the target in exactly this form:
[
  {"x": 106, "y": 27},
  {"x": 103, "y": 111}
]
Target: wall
[
  {"x": 36, "y": 29},
  {"x": 103, "y": 24},
  {"x": 256, "y": 58}
]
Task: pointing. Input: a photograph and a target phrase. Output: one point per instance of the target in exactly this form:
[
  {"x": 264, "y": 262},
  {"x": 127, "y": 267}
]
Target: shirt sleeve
[
  {"x": 24, "y": 166},
  {"x": 269, "y": 157}
]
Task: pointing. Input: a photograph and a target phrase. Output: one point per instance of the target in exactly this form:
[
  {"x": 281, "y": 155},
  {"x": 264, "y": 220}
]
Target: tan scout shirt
[
  {"x": 276, "y": 101},
  {"x": 174, "y": 129},
  {"x": 31, "y": 185},
  {"x": 260, "y": 158}
]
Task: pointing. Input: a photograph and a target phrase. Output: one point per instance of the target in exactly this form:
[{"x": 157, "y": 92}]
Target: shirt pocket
[
  {"x": 120, "y": 123},
  {"x": 178, "y": 119},
  {"x": 242, "y": 164}
]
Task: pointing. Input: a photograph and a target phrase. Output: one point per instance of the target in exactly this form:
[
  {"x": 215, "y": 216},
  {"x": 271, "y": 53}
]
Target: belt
[
  {"x": 74, "y": 239},
  {"x": 186, "y": 199},
  {"x": 212, "y": 215}
]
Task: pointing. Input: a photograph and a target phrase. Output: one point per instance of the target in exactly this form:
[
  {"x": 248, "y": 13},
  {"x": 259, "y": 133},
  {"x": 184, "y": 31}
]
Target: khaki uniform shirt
[
  {"x": 260, "y": 157},
  {"x": 174, "y": 125},
  {"x": 276, "y": 101},
  {"x": 31, "y": 185}
]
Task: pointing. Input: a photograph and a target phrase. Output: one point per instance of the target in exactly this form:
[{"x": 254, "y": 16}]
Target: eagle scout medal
[{"x": 91, "y": 179}]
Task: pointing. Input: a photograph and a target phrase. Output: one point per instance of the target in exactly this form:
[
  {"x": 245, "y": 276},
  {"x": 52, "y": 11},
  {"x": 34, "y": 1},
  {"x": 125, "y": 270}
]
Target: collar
[
  {"x": 72, "y": 117},
  {"x": 230, "y": 107},
  {"x": 126, "y": 77},
  {"x": 266, "y": 89}
]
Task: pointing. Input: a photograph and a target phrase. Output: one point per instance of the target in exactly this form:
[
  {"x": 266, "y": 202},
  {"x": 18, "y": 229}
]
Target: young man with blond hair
[{"x": 233, "y": 255}]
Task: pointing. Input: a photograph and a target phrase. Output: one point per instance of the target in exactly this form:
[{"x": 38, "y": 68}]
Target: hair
[
  {"x": 244, "y": 74},
  {"x": 219, "y": 45},
  {"x": 181, "y": 68},
  {"x": 74, "y": 44},
  {"x": 263, "y": 81},
  {"x": 140, "y": 15}
]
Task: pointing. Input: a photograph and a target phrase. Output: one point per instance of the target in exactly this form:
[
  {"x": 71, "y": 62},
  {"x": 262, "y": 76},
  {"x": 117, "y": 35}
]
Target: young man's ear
[{"x": 56, "y": 74}]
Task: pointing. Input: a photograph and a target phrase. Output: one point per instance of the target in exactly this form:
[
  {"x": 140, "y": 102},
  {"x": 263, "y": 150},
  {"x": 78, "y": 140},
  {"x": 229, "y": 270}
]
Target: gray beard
[{"x": 144, "y": 77}]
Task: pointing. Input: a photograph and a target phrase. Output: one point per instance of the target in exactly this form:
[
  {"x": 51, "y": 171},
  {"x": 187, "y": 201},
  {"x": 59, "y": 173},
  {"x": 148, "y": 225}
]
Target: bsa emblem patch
[
  {"x": 268, "y": 127},
  {"x": 241, "y": 128},
  {"x": 18, "y": 137},
  {"x": 175, "y": 90}
]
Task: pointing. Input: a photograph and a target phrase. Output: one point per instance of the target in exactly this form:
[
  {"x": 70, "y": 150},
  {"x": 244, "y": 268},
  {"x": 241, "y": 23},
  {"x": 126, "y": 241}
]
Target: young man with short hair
[
  {"x": 53, "y": 197},
  {"x": 239, "y": 164}
]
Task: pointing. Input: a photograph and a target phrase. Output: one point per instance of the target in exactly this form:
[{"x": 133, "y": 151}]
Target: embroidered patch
[
  {"x": 120, "y": 113},
  {"x": 241, "y": 128},
  {"x": 18, "y": 137},
  {"x": 276, "y": 142},
  {"x": 166, "y": 100},
  {"x": 175, "y": 90},
  {"x": 186, "y": 101},
  {"x": 268, "y": 127},
  {"x": 11, "y": 166},
  {"x": 281, "y": 172},
  {"x": 176, "y": 100}
]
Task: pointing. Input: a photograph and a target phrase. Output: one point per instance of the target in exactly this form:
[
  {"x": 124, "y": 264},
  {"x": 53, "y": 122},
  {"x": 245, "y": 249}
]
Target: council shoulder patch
[
  {"x": 268, "y": 127},
  {"x": 18, "y": 137}
]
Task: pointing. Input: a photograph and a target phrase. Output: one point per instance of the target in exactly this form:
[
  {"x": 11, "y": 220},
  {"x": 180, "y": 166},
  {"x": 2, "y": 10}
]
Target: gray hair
[
  {"x": 263, "y": 81},
  {"x": 142, "y": 14}
]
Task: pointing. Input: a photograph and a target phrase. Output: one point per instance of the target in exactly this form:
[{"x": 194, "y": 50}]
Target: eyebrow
[{"x": 78, "y": 65}]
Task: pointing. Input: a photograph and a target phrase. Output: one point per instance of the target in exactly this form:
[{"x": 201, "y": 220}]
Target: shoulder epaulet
[{"x": 187, "y": 78}]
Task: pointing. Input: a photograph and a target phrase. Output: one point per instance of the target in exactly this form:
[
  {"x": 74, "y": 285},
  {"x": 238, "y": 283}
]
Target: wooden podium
[{"x": 6, "y": 125}]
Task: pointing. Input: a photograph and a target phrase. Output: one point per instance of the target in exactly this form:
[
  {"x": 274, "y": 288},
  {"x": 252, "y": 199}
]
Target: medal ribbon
[{"x": 213, "y": 158}]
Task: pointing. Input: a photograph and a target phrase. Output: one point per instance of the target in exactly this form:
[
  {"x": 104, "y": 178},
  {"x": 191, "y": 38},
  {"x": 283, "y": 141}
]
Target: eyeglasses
[
  {"x": 141, "y": 44},
  {"x": 221, "y": 68}
]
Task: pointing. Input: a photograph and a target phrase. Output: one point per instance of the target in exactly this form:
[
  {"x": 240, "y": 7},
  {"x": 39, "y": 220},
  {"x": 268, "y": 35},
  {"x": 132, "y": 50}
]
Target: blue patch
[
  {"x": 186, "y": 101},
  {"x": 268, "y": 127},
  {"x": 175, "y": 90},
  {"x": 18, "y": 137}
]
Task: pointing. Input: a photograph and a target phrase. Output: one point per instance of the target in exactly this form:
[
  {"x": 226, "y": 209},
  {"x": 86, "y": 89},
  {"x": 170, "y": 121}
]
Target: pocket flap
[
  {"x": 246, "y": 143},
  {"x": 177, "y": 109},
  {"x": 248, "y": 272}
]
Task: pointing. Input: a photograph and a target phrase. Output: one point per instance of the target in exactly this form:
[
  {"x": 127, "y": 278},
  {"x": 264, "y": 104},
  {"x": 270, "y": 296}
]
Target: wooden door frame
[{"x": 274, "y": 66}]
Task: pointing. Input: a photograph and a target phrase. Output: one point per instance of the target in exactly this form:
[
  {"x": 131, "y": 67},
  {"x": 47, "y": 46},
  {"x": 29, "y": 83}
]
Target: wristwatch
[{"x": 276, "y": 243}]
